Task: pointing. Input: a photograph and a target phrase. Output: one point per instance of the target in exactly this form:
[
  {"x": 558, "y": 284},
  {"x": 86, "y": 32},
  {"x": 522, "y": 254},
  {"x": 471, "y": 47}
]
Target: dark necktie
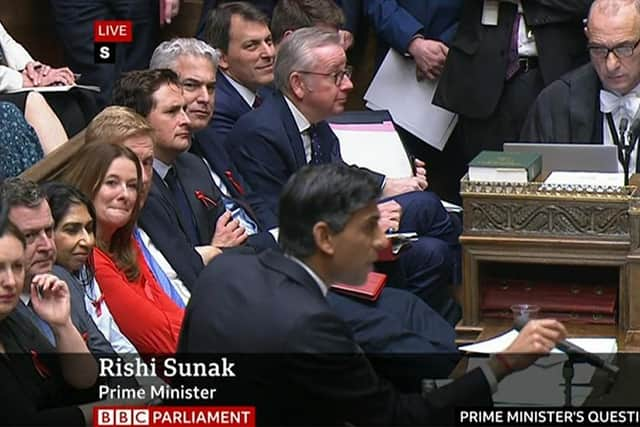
[
  {"x": 184, "y": 210},
  {"x": 257, "y": 101},
  {"x": 317, "y": 156},
  {"x": 513, "y": 63}
]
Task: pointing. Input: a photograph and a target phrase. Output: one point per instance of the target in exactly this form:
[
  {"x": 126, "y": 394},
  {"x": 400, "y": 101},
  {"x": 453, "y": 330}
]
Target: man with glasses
[
  {"x": 588, "y": 104},
  {"x": 290, "y": 130}
]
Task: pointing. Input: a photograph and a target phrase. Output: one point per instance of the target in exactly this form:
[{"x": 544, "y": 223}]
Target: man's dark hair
[
  {"x": 17, "y": 191},
  {"x": 216, "y": 30},
  {"x": 331, "y": 193},
  {"x": 290, "y": 15},
  {"x": 135, "y": 89}
]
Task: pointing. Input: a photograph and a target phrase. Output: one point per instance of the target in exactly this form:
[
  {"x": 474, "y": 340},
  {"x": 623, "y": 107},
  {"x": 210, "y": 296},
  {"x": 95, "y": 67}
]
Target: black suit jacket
[
  {"x": 162, "y": 222},
  {"x": 567, "y": 111},
  {"x": 474, "y": 74},
  {"x": 305, "y": 367},
  {"x": 160, "y": 219}
]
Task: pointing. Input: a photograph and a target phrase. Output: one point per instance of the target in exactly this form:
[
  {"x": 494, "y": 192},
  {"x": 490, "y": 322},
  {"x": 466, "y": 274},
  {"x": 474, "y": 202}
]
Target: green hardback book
[{"x": 499, "y": 166}]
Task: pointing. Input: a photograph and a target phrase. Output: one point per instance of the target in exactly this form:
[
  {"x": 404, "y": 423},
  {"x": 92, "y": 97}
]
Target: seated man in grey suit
[{"x": 298, "y": 362}]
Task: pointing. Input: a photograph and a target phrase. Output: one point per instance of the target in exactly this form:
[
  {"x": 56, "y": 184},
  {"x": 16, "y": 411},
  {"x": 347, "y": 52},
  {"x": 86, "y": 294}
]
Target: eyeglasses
[
  {"x": 620, "y": 51},
  {"x": 337, "y": 75}
]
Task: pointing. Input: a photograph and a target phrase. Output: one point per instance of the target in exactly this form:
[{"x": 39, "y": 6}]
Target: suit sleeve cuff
[{"x": 490, "y": 376}]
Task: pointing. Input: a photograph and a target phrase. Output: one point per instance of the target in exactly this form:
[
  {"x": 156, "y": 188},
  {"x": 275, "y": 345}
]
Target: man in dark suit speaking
[{"x": 310, "y": 371}]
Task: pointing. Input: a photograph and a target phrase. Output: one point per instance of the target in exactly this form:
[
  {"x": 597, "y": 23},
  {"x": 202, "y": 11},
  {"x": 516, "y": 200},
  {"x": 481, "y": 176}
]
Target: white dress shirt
[{"x": 623, "y": 107}]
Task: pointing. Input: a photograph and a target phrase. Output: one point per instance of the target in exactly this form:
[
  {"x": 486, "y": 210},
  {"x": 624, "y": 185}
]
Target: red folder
[{"x": 370, "y": 290}]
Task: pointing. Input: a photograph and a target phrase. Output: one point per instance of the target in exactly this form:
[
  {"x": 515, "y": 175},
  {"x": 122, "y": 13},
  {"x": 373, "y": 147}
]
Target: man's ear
[
  {"x": 323, "y": 238},
  {"x": 297, "y": 85},
  {"x": 222, "y": 61},
  {"x": 286, "y": 34}
]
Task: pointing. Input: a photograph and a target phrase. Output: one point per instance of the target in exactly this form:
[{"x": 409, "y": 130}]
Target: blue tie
[
  {"x": 180, "y": 199},
  {"x": 317, "y": 157},
  {"x": 158, "y": 272}
]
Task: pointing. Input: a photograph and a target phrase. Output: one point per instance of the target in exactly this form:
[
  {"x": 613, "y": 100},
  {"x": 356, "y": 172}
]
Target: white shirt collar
[
  {"x": 161, "y": 168},
  {"x": 247, "y": 94},
  {"x": 323, "y": 287},
  {"x": 301, "y": 121}
]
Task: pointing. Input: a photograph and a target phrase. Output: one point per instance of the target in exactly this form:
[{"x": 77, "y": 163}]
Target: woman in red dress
[{"x": 110, "y": 175}]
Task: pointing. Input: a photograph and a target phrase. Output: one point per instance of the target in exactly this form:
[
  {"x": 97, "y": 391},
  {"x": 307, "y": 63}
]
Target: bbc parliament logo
[{"x": 106, "y": 35}]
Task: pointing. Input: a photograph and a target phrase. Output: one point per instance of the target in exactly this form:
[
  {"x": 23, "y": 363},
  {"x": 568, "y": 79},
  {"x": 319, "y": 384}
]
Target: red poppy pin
[
  {"x": 206, "y": 200},
  {"x": 233, "y": 181}
]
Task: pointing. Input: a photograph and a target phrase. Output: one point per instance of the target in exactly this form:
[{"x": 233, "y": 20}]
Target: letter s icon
[{"x": 104, "y": 53}]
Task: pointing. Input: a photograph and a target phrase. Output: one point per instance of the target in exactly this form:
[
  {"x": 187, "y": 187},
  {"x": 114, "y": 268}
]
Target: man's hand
[
  {"x": 390, "y": 214},
  {"x": 171, "y": 9},
  {"x": 536, "y": 339},
  {"x": 229, "y": 233},
  {"x": 396, "y": 186},
  {"x": 38, "y": 74},
  {"x": 51, "y": 300},
  {"x": 430, "y": 56}
]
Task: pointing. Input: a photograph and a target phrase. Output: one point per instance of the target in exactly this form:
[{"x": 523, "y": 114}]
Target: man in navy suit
[
  {"x": 182, "y": 191},
  {"x": 397, "y": 322},
  {"x": 195, "y": 63},
  {"x": 241, "y": 33},
  {"x": 298, "y": 363},
  {"x": 289, "y": 131}
]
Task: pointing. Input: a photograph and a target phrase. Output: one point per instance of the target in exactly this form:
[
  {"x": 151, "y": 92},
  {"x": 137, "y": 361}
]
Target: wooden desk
[{"x": 530, "y": 225}]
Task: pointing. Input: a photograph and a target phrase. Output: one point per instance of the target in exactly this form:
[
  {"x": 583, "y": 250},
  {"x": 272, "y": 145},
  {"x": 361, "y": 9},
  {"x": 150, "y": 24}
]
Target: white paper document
[
  {"x": 396, "y": 88},
  {"x": 586, "y": 179},
  {"x": 499, "y": 343},
  {"x": 542, "y": 384},
  {"x": 44, "y": 89},
  {"x": 374, "y": 146}
]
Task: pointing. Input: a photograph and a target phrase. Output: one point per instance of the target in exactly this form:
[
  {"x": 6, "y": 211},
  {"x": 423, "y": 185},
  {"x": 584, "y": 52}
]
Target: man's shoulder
[
  {"x": 189, "y": 160},
  {"x": 583, "y": 80},
  {"x": 265, "y": 119}
]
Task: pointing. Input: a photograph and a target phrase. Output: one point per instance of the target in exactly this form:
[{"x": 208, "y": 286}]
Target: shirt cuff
[
  {"x": 275, "y": 232},
  {"x": 415, "y": 36},
  {"x": 490, "y": 376}
]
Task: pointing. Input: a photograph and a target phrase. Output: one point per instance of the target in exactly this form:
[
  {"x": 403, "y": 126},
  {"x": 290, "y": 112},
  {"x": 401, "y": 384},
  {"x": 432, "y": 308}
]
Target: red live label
[
  {"x": 174, "y": 416},
  {"x": 113, "y": 31}
]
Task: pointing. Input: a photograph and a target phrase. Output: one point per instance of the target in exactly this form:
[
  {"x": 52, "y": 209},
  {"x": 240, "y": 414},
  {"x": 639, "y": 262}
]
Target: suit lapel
[
  {"x": 293, "y": 133},
  {"x": 160, "y": 190},
  {"x": 192, "y": 186},
  {"x": 329, "y": 141}
]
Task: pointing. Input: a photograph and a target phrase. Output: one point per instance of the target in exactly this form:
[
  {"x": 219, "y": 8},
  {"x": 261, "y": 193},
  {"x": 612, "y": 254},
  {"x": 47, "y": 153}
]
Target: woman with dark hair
[
  {"x": 74, "y": 234},
  {"x": 110, "y": 175},
  {"x": 40, "y": 385}
]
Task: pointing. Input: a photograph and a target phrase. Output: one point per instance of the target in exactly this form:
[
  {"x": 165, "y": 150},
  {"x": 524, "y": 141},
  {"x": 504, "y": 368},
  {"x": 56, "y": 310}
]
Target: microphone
[
  {"x": 574, "y": 350},
  {"x": 622, "y": 129},
  {"x": 634, "y": 129}
]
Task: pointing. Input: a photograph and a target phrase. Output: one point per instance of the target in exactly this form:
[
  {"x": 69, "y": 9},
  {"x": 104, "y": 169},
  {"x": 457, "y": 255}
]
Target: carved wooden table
[{"x": 530, "y": 224}]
